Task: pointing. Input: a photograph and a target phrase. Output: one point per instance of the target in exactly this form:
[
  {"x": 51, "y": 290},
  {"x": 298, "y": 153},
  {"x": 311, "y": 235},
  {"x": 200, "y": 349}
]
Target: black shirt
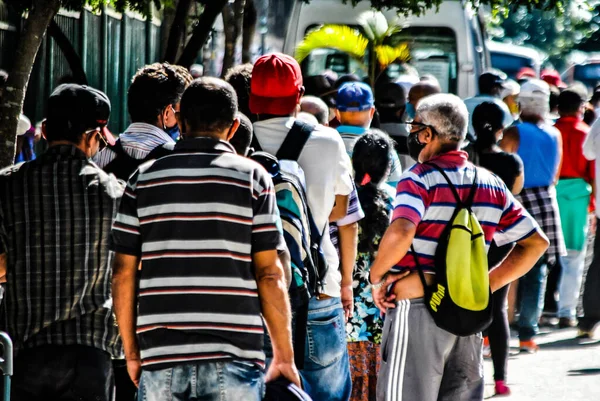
[
  {"x": 508, "y": 167},
  {"x": 505, "y": 165}
]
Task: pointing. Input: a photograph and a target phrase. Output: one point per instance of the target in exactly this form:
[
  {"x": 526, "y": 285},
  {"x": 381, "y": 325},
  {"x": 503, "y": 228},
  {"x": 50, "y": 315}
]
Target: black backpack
[{"x": 123, "y": 165}]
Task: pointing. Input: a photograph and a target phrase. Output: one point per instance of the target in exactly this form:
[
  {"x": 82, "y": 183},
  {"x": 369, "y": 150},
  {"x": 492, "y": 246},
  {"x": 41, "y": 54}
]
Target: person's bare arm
[
  {"x": 519, "y": 261},
  {"x": 510, "y": 140},
  {"x": 518, "y": 185},
  {"x": 125, "y": 268},
  {"x": 348, "y": 235},
  {"x": 275, "y": 306},
  {"x": 559, "y": 145},
  {"x": 2, "y": 267},
  {"x": 340, "y": 209}
]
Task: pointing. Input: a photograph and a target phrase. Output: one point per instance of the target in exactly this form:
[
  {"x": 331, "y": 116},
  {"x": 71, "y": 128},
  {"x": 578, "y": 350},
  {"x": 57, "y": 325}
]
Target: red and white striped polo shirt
[{"x": 424, "y": 197}]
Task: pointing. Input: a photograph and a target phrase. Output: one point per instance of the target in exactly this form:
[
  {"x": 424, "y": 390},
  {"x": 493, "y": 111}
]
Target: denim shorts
[{"x": 210, "y": 381}]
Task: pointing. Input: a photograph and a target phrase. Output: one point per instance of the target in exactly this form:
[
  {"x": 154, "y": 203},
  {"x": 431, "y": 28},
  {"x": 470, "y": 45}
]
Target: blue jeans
[
  {"x": 570, "y": 283},
  {"x": 208, "y": 381},
  {"x": 326, "y": 373},
  {"x": 532, "y": 287}
]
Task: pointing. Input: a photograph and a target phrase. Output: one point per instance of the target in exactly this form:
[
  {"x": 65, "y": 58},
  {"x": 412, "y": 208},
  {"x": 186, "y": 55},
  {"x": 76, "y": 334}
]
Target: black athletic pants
[{"x": 499, "y": 333}]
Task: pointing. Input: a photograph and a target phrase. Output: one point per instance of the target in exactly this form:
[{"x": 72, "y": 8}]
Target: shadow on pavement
[
  {"x": 569, "y": 343},
  {"x": 584, "y": 372}
]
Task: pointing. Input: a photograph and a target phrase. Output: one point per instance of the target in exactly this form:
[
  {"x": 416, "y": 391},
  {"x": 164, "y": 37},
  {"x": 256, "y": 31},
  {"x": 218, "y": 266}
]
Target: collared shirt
[
  {"x": 55, "y": 218},
  {"x": 425, "y": 198},
  {"x": 328, "y": 172},
  {"x": 196, "y": 217},
  {"x": 574, "y": 165},
  {"x": 138, "y": 140}
]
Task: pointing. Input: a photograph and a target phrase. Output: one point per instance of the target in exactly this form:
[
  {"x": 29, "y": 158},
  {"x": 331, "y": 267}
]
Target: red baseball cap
[
  {"x": 552, "y": 77},
  {"x": 276, "y": 85},
  {"x": 526, "y": 72}
]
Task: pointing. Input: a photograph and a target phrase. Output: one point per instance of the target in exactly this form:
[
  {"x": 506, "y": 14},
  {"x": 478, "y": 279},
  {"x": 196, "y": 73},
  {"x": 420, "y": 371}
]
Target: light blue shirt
[{"x": 350, "y": 135}]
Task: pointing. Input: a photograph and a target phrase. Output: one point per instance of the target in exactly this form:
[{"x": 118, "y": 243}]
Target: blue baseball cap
[{"x": 354, "y": 96}]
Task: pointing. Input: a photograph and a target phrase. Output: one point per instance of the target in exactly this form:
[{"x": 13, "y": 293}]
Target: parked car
[
  {"x": 587, "y": 72},
  {"x": 449, "y": 43},
  {"x": 511, "y": 58}
]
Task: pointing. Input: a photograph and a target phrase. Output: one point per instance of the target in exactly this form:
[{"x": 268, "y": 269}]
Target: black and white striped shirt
[
  {"x": 56, "y": 214},
  {"x": 196, "y": 217}
]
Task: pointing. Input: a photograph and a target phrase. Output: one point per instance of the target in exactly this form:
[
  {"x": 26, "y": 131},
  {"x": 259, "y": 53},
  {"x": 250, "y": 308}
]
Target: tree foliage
[
  {"x": 417, "y": 7},
  {"x": 554, "y": 33}
]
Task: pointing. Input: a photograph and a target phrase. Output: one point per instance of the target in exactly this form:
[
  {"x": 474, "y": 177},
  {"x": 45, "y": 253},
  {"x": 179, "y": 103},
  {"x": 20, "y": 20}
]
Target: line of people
[{"x": 168, "y": 284}]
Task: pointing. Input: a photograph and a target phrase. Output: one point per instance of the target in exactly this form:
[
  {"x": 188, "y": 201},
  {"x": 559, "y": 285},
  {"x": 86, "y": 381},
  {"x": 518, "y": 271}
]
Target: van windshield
[
  {"x": 433, "y": 51},
  {"x": 510, "y": 64}
]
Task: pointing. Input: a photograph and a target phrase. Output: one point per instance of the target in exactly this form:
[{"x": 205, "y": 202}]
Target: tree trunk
[
  {"x": 69, "y": 52},
  {"x": 201, "y": 32},
  {"x": 250, "y": 19},
  {"x": 233, "y": 19},
  {"x": 40, "y": 15},
  {"x": 177, "y": 31},
  {"x": 168, "y": 16}
]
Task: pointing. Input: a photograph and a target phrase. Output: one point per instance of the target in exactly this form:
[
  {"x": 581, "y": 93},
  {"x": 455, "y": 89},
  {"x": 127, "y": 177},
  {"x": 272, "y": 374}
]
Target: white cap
[
  {"x": 511, "y": 88},
  {"x": 533, "y": 87},
  {"x": 23, "y": 125}
]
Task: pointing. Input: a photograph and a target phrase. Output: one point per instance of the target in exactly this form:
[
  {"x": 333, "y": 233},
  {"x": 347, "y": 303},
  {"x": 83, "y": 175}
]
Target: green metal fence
[{"x": 112, "y": 46}]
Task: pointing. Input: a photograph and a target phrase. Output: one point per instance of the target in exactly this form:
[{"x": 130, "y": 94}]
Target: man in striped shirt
[
  {"x": 202, "y": 221},
  {"x": 420, "y": 361},
  {"x": 55, "y": 218},
  {"x": 152, "y": 100}
]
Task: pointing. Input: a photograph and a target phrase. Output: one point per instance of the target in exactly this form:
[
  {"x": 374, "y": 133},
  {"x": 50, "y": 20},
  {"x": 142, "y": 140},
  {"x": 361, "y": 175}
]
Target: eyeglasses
[
  {"x": 102, "y": 140},
  {"x": 418, "y": 127}
]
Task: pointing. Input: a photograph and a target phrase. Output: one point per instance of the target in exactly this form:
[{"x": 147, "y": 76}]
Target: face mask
[
  {"x": 410, "y": 111},
  {"x": 173, "y": 132},
  {"x": 414, "y": 146}
]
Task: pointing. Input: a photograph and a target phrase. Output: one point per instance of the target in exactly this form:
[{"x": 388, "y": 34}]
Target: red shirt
[{"x": 574, "y": 164}]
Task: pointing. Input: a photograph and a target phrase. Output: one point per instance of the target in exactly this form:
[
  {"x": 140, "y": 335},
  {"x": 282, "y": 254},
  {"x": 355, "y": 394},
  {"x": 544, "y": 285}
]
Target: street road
[{"x": 565, "y": 369}]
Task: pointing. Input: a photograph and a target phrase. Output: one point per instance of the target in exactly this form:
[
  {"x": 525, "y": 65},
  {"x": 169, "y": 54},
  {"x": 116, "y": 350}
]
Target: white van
[
  {"x": 449, "y": 43},
  {"x": 511, "y": 58}
]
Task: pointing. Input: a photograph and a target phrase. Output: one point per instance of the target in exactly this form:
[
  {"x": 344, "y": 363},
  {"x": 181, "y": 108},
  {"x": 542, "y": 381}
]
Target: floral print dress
[{"x": 364, "y": 329}]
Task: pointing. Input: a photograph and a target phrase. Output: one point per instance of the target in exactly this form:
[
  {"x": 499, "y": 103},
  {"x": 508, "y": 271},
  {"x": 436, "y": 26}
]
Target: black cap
[
  {"x": 490, "y": 80},
  {"x": 77, "y": 108},
  {"x": 390, "y": 95}
]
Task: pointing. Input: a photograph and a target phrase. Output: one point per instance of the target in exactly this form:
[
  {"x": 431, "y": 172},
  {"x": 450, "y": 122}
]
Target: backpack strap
[
  {"x": 419, "y": 269},
  {"x": 254, "y": 144},
  {"x": 450, "y": 184},
  {"x": 469, "y": 202},
  {"x": 294, "y": 141}
]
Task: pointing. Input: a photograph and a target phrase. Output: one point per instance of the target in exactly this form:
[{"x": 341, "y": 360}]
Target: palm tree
[{"x": 371, "y": 41}]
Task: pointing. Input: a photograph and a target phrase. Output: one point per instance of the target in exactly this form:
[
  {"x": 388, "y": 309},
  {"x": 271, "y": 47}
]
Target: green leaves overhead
[{"x": 417, "y": 7}]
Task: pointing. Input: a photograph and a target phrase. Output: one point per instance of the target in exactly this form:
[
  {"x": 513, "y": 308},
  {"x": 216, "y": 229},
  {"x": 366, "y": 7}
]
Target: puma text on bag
[{"x": 460, "y": 299}]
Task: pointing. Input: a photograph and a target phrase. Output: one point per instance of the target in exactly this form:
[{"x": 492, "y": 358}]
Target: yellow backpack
[{"x": 460, "y": 300}]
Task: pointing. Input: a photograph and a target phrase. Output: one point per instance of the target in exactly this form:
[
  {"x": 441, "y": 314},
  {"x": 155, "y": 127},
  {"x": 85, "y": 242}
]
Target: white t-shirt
[
  {"x": 327, "y": 171},
  {"x": 591, "y": 150}
]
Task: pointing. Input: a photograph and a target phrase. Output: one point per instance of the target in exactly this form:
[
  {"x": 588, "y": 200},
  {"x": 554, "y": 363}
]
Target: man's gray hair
[{"x": 447, "y": 114}]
